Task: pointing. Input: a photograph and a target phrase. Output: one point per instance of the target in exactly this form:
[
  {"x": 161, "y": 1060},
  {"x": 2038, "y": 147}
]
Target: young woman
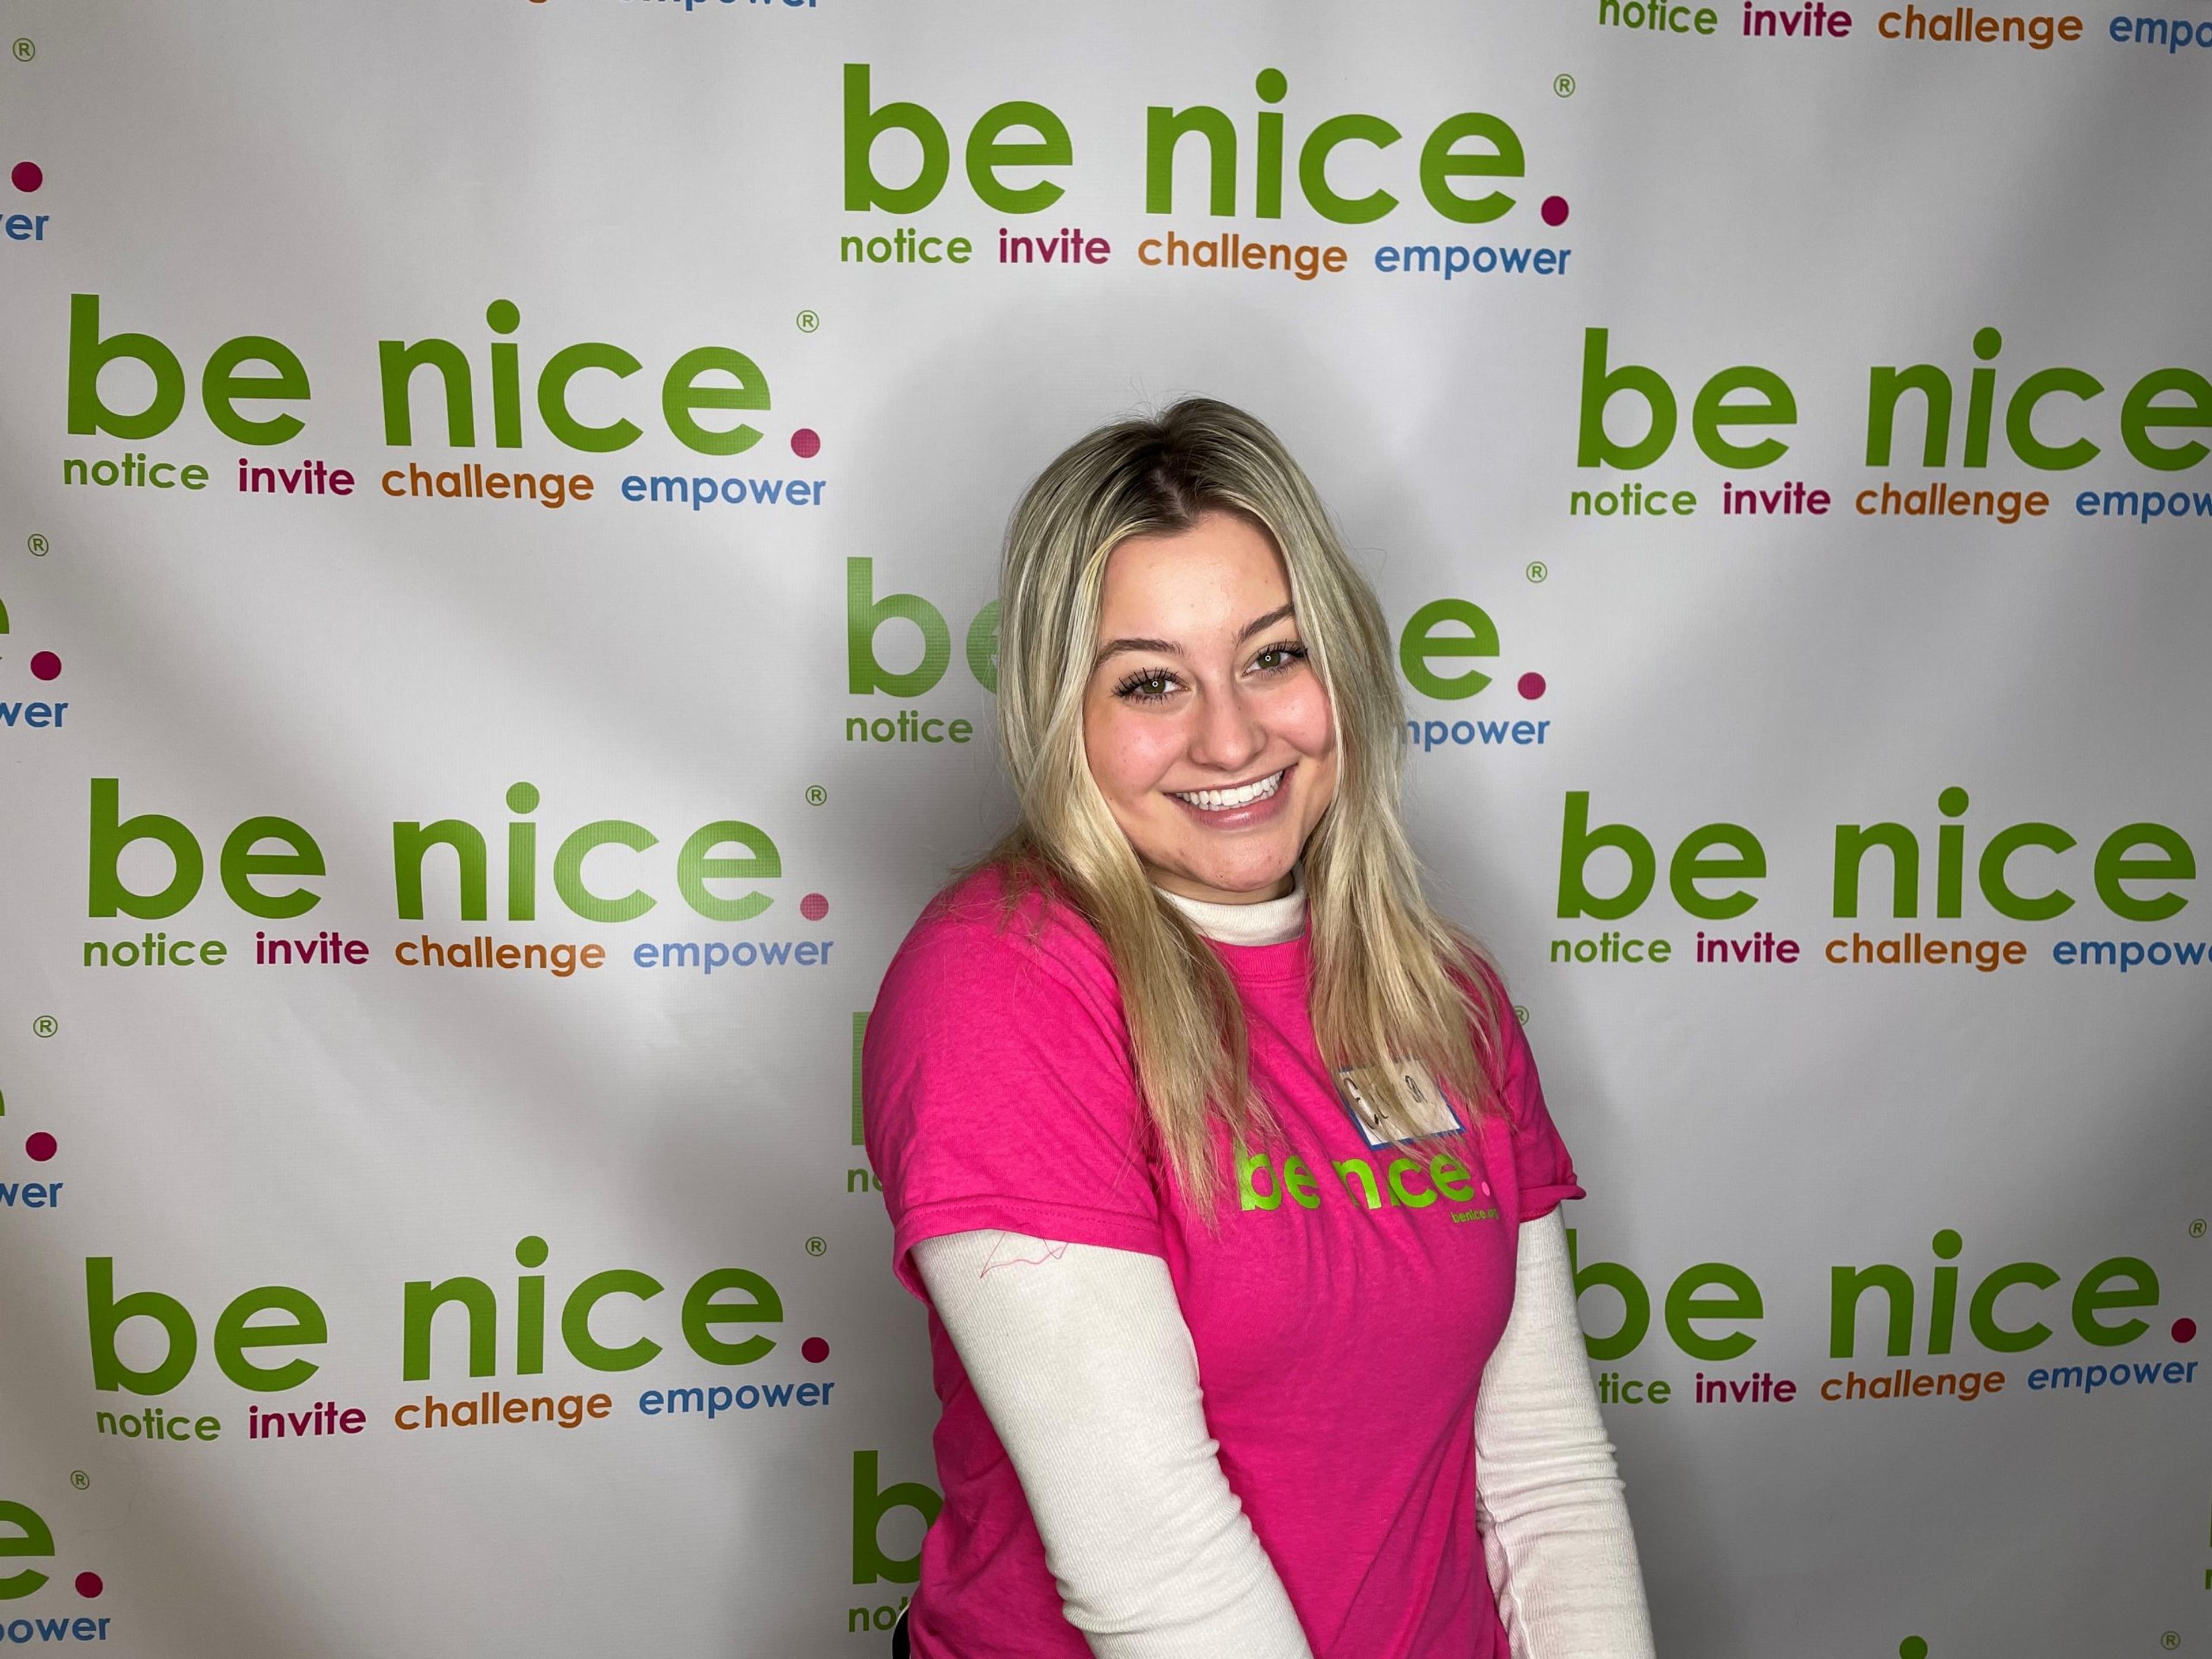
[{"x": 1219, "y": 1158}]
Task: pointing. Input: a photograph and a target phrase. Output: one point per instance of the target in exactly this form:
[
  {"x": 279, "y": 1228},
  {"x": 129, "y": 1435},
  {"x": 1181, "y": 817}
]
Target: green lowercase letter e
[{"x": 32, "y": 1536}]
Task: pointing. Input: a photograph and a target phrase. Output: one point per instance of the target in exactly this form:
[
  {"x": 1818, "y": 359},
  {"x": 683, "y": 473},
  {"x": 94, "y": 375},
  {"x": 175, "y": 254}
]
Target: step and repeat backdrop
[{"x": 499, "y": 508}]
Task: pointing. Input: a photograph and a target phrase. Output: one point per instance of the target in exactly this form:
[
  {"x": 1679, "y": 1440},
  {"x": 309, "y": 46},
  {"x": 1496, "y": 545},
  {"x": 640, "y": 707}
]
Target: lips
[{"x": 1228, "y": 800}]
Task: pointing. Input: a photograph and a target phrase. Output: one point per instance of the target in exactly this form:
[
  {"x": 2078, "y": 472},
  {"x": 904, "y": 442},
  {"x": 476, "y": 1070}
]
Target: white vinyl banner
[{"x": 499, "y": 512}]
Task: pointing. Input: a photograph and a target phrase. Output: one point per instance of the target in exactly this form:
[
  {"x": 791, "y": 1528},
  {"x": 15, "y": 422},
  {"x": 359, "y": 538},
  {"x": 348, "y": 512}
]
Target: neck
[{"x": 1271, "y": 921}]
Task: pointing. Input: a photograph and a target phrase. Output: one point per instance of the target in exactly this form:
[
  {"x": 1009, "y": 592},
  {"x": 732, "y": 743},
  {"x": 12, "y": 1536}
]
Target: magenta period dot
[
  {"x": 815, "y": 1350},
  {"x": 806, "y": 443},
  {"x": 40, "y": 1148},
  {"x": 814, "y": 907},
  {"x": 27, "y": 176},
  {"x": 88, "y": 1585},
  {"x": 1554, "y": 210},
  {"x": 2185, "y": 1330},
  {"x": 44, "y": 665},
  {"x": 1531, "y": 686}
]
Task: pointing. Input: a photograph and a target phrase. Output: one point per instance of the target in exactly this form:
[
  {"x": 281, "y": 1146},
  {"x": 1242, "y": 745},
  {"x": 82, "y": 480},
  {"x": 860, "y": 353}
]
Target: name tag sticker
[{"x": 1432, "y": 1113}]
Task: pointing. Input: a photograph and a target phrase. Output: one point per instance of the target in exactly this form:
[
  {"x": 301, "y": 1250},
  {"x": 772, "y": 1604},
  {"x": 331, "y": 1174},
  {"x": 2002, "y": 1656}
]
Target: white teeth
[{"x": 1221, "y": 800}]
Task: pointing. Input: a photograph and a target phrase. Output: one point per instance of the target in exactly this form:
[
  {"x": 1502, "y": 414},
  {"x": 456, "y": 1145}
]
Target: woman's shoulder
[
  {"x": 1015, "y": 908},
  {"x": 1500, "y": 1045},
  {"x": 993, "y": 930}
]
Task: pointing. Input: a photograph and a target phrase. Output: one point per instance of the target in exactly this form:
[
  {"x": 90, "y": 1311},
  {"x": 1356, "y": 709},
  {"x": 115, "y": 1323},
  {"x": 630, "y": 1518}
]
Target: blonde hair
[{"x": 1391, "y": 980}]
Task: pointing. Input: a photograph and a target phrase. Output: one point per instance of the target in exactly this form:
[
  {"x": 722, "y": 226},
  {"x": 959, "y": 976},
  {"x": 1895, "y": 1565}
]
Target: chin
[{"x": 1241, "y": 876}]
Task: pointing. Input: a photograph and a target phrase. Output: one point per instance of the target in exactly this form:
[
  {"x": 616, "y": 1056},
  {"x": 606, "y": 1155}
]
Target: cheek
[
  {"x": 1128, "y": 752},
  {"x": 1307, "y": 726}
]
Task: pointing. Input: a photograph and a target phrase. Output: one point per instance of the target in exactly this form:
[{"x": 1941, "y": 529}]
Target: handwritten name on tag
[{"x": 1431, "y": 1113}]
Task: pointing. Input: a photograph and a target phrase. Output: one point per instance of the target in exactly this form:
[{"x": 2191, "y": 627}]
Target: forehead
[{"x": 1217, "y": 574}]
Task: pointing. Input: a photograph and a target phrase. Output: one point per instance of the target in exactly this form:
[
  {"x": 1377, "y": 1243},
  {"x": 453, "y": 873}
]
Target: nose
[{"x": 1229, "y": 734}]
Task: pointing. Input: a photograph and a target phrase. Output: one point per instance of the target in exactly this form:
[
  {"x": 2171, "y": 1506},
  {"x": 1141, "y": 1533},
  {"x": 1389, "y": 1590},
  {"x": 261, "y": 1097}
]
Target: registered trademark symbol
[
  {"x": 2197, "y": 1228},
  {"x": 25, "y": 51},
  {"x": 1520, "y": 1013},
  {"x": 1538, "y": 570},
  {"x": 2171, "y": 1640},
  {"x": 45, "y": 1025},
  {"x": 79, "y": 1479},
  {"x": 38, "y": 545},
  {"x": 808, "y": 322},
  {"x": 817, "y": 1247},
  {"x": 816, "y": 794},
  {"x": 1564, "y": 86}
]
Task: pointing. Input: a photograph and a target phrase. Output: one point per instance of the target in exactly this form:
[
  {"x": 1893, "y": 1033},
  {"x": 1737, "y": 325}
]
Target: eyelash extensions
[
  {"x": 1129, "y": 688},
  {"x": 1292, "y": 651}
]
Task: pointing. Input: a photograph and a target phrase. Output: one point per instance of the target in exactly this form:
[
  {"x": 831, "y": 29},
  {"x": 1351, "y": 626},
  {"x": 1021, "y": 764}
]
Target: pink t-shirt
[{"x": 1342, "y": 1312}]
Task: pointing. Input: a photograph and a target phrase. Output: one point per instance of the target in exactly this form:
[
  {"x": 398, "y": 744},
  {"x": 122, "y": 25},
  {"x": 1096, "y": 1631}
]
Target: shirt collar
[{"x": 1271, "y": 921}]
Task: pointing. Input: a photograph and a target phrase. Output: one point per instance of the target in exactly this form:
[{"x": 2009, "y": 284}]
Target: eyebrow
[{"x": 1171, "y": 648}]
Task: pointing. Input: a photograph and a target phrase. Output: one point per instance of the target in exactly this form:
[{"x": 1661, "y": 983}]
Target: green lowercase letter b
[
  {"x": 1635, "y": 1301},
  {"x": 1577, "y": 840},
  {"x": 864, "y": 123},
  {"x": 88, "y": 353},
  {"x": 106, "y": 1314},
  {"x": 870, "y": 1505},
  {"x": 1595, "y": 446},
  {"x": 865, "y": 615},
  {"x": 111, "y": 832}
]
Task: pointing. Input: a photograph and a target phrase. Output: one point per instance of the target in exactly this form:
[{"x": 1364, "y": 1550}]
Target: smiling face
[{"x": 1205, "y": 728}]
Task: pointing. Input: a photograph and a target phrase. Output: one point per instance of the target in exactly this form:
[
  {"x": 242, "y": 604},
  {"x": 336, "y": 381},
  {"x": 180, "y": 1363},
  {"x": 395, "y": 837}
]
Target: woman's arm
[
  {"x": 1562, "y": 1556},
  {"x": 1081, "y": 1358}
]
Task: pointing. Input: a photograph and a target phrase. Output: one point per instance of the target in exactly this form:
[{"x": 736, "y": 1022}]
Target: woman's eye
[
  {"x": 1277, "y": 658},
  {"x": 1145, "y": 688}
]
